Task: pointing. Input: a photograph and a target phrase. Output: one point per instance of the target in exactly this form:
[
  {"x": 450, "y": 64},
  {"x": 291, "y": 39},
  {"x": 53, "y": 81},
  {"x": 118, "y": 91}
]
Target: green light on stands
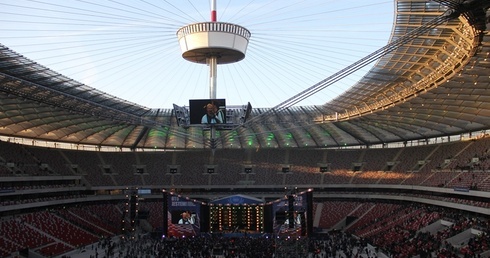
[{"x": 157, "y": 133}]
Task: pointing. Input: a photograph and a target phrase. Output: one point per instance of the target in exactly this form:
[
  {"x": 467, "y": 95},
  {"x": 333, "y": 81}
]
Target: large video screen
[
  {"x": 183, "y": 216},
  {"x": 290, "y": 221},
  {"x": 207, "y": 111}
]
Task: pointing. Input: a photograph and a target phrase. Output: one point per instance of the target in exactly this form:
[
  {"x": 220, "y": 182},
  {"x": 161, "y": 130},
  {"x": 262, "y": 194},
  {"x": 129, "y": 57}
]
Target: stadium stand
[{"x": 394, "y": 174}]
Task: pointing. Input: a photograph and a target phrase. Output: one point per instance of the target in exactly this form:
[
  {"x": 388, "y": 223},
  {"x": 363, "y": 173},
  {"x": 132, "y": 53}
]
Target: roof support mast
[
  {"x": 213, "y": 10},
  {"x": 212, "y": 60},
  {"x": 213, "y": 43},
  {"x": 213, "y": 73}
]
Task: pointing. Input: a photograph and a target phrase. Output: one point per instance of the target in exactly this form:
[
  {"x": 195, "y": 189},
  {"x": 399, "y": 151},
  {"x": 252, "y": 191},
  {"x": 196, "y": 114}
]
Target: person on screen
[
  {"x": 213, "y": 115},
  {"x": 296, "y": 218},
  {"x": 186, "y": 219}
]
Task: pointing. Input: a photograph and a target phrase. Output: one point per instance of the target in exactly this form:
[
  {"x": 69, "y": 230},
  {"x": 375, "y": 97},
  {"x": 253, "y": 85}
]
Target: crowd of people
[{"x": 334, "y": 244}]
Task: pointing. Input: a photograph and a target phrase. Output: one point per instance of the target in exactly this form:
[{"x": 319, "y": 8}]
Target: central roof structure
[{"x": 435, "y": 84}]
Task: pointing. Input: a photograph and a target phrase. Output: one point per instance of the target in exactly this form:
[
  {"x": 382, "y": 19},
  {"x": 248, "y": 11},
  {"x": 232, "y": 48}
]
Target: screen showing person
[
  {"x": 296, "y": 219},
  {"x": 207, "y": 111},
  {"x": 213, "y": 114},
  {"x": 187, "y": 218},
  {"x": 283, "y": 218}
]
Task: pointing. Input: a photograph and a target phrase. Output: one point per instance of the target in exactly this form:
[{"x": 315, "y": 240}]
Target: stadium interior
[{"x": 399, "y": 163}]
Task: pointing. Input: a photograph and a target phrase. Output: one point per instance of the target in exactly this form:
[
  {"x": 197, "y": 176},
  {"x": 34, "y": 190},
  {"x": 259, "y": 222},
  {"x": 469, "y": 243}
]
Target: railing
[{"x": 213, "y": 27}]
